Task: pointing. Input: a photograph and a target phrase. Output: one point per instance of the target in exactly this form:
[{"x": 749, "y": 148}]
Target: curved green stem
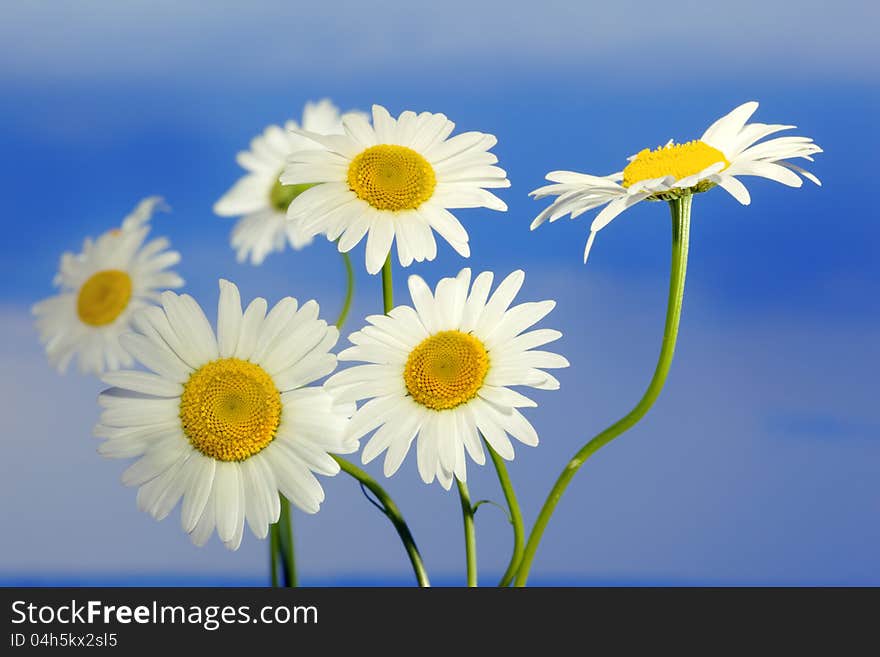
[
  {"x": 285, "y": 535},
  {"x": 349, "y": 291},
  {"x": 387, "y": 290},
  {"x": 516, "y": 518},
  {"x": 393, "y": 513},
  {"x": 681, "y": 215},
  {"x": 470, "y": 534}
]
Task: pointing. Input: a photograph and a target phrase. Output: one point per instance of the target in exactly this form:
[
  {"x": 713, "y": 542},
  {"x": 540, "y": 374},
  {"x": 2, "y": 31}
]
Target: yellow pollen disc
[
  {"x": 392, "y": 177},
  {"x": 103, "y": 297},
  {"x": 230, "y": 409},
  {"x": 677, "y": 160},
  {"x": 446, "y": 370}
]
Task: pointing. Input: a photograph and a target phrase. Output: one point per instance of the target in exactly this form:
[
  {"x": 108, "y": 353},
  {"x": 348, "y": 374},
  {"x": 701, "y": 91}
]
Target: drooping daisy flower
[
  {"x": 226, "y": 422},
  {"x": 261, "y": 198},
  {"x": 726, "y": 150},
  {"x": 394, "y": 180},
  {"x": 100, "y": 288},
  {"x": 442, "y": 374}
]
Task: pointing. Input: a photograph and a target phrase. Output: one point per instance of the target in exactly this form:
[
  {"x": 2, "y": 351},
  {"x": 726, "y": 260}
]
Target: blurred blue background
[{"x": 761, "y": 462}]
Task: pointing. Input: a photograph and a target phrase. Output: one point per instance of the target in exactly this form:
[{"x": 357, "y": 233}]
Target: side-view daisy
[
  {"x": 726, "y": 150},
  {"x": 225, "y": 422},
  {"x": 395, "y": 179},
  {"x": 100, "y": 288},
  {"x": 260, "y": 198},
  {"x": 442, "y": 374}
]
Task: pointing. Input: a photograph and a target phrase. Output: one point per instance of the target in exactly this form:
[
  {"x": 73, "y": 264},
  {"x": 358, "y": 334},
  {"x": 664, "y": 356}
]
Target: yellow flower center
[
  {"x": 281, "y": 196},
  {"x": 677, "y": 160},
  {"x": 446, "y": 370},
  {"x": 103, "y": 297},
  {"x": 230, "y": 409},
  {"x": 392, "y": 177}
]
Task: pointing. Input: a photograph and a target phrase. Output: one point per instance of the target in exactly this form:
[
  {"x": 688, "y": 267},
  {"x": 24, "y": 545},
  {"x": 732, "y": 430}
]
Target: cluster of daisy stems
[{"x": 234, "y": 424}]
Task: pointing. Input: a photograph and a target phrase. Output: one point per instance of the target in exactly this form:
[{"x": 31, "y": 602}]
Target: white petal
[
  {"x": 384, "y": 125},
  {"x": 466, "y": 195},
  {"x": 487, "y": 424},
  {"x": 722, "y": 133},
  {"x": 143, "y": 382},
  {"x": 191, "y": 325},
  {"x": 427, "y": 449},
  {"x": 197, "y": 492},
  {"x": 520, "y": 428},
  {"x": 294, "y": 479},
  {"x": 447, "y": 439},
  {"x": 470, "y": 438},
  {"x": 273, "y": 325},
  {"x": 379, "y": 243},
  {"x": 806, "y": 174},
  {"x": 589, "y": 246},
  {"x": 153, "y": 322},
  {"x": 444, "y": 223},
  {"x": 614, "y": 208},
  {"x": 155, "y": 462},
  {"x": 733, "y": 187},
  {"x": 159, "y": 496},
  {"x": 249, "y": 332},
  {"x": 449, "y": 300},
  {"x": 402, "y": 427},
  {"x": 395, "y": 455},
  {"x": 358, "y": 128},
  {"x": 249, "y": 194},
  {"x": 205, "y": 525},
  {"x": 476, "y": 301},
  {"x": 372, "y": 414},
  {"x": 532, "y": 339},
  {"x": 355, "y": 231},
  {"x": 516, "y": 320},
  {"x": 256, "y": 498},
  {"x": 227, "y": 499},
  {"x": 504, "y": 397},
  {"x": 499, "y": 302},
  {"x": 767, "y": 170},
  {"x": 535, "y": 359},
  {"x": 229, "y": 318},
  {"x": 424, "y": 304},
  {"x": 163, "y": 362}
]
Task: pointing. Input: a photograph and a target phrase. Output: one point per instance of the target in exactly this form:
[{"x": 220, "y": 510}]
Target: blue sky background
[{"x": 760, "y": 463}]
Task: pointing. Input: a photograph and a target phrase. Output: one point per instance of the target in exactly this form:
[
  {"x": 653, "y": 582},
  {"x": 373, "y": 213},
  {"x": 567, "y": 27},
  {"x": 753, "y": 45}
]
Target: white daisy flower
[
  {"x": 726, "y": 150},
  {"x": 394, "y": 180},
  {"x": 226, "y": 422},
  {"x": 101, "y": 287},
  {"x": 442, "y": 374},
  {"x": 261, "y": 198}
]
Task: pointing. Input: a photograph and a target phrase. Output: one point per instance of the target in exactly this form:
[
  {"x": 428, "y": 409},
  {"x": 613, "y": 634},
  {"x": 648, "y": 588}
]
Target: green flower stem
[
  {"x": 285, "y": 535},
  {"x": 470, "y": 534},
  {"x": 349, "y": 291},
  {"x": 389, "y": 508},
  {"x": 516, "y": 518},
  {"x": 387, "y": 290},
  {"x": 274, "y": 549},
  {"x": 681, "y": 217}
]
